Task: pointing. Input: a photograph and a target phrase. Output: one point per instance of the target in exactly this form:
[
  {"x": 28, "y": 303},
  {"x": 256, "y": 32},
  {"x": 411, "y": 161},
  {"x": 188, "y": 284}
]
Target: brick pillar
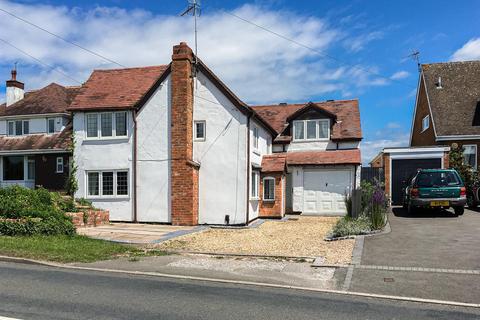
[
  {"x": 184, "y": 172},
  {"x": 446, "y": 160},
  {"x": 387, "y": 172}
]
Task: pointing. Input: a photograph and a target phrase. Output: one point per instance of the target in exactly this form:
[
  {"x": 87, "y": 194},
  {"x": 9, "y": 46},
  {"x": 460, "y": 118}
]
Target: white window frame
[
  {"x": 263, "y": 189},
  {"x": 475, "y": 153},
  {"x": 54, "y": 124},
  {"x": 99, "y": 126},
  {"x": 115, "y": 194},
  {"x": 317, "y": 128},
  {"x": 425, "y": 122},
  {"x": 59, "y": 164},
  {"x": 30, "y": 160},
  {"x": 195, "y": 123},
  {"x": 256, "y": 137},
  {"x": 255, "y": 187},
  {"x": 14, "y": 128}
]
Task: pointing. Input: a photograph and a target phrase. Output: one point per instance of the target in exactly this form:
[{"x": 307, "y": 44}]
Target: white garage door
[{"x": 324, "y": 191}]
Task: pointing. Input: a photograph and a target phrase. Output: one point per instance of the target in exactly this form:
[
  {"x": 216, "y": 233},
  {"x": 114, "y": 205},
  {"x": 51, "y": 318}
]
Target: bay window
[
  {"x": 106, "y": 124},
  {"x": 108, "y": 184},
  {"x": 318, "y": 129}
]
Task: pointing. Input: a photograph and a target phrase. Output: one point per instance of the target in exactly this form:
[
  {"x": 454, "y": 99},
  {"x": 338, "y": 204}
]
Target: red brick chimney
[{"x": 184, "y": 170}]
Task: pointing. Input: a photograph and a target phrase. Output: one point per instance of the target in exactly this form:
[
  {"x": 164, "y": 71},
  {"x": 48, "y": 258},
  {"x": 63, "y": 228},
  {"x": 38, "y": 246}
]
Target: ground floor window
[
  {"x": 255, "y": 184},
  {"x": 269, "y": 189},
  {"x": 13, "y": 168},
  {"x": 107, "y": 183},
  {"x": 31, "y": 168}
]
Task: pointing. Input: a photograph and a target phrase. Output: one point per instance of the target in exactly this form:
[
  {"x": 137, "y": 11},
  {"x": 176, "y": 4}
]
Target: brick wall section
[
  {"x": 272, "y": 209},
  {"x": 184, "y": 173},
  {"x": 89, "y": 218},
  {"x": 387, "y": 170}
]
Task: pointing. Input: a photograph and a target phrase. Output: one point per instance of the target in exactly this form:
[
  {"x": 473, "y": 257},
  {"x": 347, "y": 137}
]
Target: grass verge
[{"x": 64, "y": 248}]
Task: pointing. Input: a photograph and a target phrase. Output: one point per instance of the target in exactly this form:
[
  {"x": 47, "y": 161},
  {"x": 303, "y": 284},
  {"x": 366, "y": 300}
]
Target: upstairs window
[
  {"x": 18, "y": 127},
  {"x": 425, "y": 123},
  {"x": 51, "y": 125},
  {"x": 470, "y": 155},
  {"x": 106, "y": 125},
  {"x": 311, "y": 129},
  {"x": 255, "y": 137},
  {"x": 199, "y": 130}
]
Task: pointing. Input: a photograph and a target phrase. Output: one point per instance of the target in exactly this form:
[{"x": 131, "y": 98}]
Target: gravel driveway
[{"x": 296, "y": 238}]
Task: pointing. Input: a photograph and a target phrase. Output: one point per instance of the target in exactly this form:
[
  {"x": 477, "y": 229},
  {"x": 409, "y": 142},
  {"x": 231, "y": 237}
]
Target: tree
[{"x": 464, "y": 170}]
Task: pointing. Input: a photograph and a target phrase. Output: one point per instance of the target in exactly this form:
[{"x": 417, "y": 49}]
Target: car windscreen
[{"x": 437, "y": 179}]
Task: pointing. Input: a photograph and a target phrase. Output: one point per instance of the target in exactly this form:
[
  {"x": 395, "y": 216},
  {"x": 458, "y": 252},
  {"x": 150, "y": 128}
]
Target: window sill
[
  {"x": 256, "y": 151},
  {"x": 124, "y": 138},
  {"x": 107, "y": 198},
  {"x": 311, "y": 140},
  {"x": 268, "y": 200},
  {"x": 254, "y": 199}
]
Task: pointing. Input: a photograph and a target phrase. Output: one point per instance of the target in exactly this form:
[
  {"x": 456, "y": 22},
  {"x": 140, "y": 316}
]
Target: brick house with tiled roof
[
  {"x": 35, "y": 135},
  {"x": 447, "y": 109}
]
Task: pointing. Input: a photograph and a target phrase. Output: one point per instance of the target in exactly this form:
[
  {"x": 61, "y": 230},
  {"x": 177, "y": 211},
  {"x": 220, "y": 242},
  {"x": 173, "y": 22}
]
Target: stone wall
[{"x": 90, "y": 218}]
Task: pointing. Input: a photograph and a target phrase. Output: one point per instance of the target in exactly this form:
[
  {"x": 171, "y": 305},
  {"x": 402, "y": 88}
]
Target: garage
[
  {"x": 403, "y": 169},
  {"x": 324, "y": 191},
  {"x": 399, "y": 164}
]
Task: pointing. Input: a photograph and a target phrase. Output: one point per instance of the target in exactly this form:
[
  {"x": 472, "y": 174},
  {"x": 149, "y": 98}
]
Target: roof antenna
[
  {"x": 194, "y": 9},
  {"x": 415, "y": 55}
]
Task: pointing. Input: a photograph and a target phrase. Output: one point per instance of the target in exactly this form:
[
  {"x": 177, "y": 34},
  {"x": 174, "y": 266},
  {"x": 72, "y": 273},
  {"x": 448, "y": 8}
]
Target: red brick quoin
[{"x": 184, "y": 171}]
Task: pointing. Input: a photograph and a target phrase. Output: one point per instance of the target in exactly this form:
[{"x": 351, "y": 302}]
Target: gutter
[
  {"x": 33, "y": 151},
  {"x": 134, "y": 113}
]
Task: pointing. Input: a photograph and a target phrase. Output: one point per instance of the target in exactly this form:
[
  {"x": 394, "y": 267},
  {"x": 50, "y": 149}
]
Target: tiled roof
[
  {"x": 454, "y": 105},
  {"x": 347, "y": 112},
  {"x": 116, "y": 88},
  {"x": 57, "y": 141},
  {"x": 53, "y": 98},
  {"x": 351, "y": 156},
  {"x": 274, "y": 162}
]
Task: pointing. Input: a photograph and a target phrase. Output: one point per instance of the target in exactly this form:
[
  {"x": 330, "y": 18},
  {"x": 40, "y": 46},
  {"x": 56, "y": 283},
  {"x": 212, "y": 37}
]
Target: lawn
[
  {"x": 303, "y": 237},
  {"x": 63, "y": 248}
]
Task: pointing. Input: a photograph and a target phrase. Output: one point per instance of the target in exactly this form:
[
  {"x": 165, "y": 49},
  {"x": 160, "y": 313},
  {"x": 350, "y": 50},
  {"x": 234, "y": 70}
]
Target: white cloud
[
  {"x": 469, "y": 51},
  {"x": 257, "y": 65},
  {"x": 400, "y": 75},
  {"x": 393, "y": 125},
  {"x": 358, "y": 43},
  {"x": 370, "y": 148}
]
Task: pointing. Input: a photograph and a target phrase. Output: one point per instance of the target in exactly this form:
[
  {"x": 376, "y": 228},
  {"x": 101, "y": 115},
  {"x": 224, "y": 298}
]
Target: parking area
[{"x": 427, "y": 239}]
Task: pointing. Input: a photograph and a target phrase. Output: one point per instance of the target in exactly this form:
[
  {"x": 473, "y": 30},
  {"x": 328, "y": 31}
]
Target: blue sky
[{"x": 260, "y": 67}]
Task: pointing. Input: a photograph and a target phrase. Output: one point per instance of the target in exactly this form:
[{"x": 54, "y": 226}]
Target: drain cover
[{"x": 388, "y": 280}]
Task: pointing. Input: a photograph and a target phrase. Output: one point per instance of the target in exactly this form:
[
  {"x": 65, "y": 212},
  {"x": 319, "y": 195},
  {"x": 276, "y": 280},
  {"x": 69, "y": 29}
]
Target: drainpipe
[
  {"x": 134, "y": 165},
  {"x": 248, "y": 168}
]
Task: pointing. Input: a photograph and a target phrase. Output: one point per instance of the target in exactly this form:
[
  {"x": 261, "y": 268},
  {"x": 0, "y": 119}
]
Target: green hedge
[{"x": 39, "y": 212}]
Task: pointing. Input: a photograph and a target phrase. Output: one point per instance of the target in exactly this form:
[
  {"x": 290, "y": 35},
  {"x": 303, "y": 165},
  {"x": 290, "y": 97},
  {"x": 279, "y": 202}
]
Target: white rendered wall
[
  {"x": 222, "y": 156},
  {"x": 311, "y": 146},
  {"x": 256, "y": 154},
  {"x": 349, "y": 145},
  {"x": 153, "y": 157},
  {"x": 104, "y": 154}
]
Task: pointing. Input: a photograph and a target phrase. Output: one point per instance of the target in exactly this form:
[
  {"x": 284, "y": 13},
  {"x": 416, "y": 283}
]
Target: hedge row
[{"x": 33, "y": 226}]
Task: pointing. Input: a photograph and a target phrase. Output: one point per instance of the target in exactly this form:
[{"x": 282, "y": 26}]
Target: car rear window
[{"x": 437, "y": 179}]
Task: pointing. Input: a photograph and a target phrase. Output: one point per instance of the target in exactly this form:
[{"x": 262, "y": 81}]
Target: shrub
[
  {"x": 378, "y": 209},
  {"x": 348, "y": 226},
  {"x": 36, "y": 226},
  {"x": 367, "y": 193},
  {"x": 348, "y": 204}
]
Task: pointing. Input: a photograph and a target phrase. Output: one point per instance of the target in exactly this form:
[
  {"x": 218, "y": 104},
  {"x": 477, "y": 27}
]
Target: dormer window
[{"x": 311, "y": 130}]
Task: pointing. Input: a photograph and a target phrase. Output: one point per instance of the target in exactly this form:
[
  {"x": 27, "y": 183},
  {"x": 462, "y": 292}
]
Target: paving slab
[{"x": 136, "y": 233}]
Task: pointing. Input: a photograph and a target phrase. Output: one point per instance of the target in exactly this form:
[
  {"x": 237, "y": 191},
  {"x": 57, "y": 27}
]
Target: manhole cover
[{"x": 388, "y": 280}]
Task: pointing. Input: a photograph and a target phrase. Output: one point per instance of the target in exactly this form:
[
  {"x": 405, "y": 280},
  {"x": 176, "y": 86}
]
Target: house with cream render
[{"x": 173, "y": 144}]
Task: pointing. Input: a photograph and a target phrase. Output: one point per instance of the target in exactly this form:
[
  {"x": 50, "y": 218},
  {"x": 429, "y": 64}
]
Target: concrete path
[
  {"x": 136, "y": 233},
  {"x": 270, "y": 271}
]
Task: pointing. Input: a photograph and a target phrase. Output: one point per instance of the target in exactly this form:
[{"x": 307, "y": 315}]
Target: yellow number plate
[{"x": 439, "y": 203}]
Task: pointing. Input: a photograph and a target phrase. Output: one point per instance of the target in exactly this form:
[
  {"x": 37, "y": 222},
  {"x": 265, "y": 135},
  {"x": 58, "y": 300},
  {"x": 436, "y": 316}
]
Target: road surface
[{"x": 38, "y": 292}]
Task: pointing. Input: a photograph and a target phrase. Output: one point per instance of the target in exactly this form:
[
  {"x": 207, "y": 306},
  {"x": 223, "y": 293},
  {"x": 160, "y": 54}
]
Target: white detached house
[{"x": 173, "y": 144}]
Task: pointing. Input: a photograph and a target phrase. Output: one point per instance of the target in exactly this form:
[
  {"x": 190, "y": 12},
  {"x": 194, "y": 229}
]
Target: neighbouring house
[
  {"x": 35, "y": 134},
  {"x": 447, "y": 109},
  {"x": 173, "y": 144}
]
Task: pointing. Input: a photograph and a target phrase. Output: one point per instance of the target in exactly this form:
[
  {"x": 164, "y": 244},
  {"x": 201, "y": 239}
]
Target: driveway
[{"x": 430, "y": 240}]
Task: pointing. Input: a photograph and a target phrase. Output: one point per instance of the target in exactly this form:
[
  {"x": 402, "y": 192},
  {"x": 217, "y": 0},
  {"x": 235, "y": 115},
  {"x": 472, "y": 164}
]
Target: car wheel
[
  {"x": 459, "y": 210},
  {"x": 411, "y": 209}
]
